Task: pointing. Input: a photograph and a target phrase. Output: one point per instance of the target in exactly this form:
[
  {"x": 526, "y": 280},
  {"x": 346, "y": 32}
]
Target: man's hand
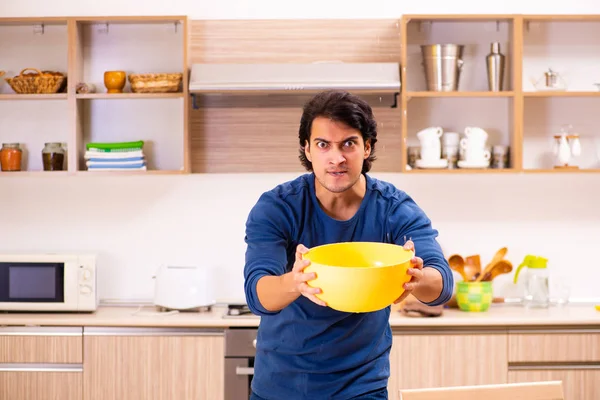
[
  {"x": 416, "y": 273},
  {"x": 300, "y": 278}
]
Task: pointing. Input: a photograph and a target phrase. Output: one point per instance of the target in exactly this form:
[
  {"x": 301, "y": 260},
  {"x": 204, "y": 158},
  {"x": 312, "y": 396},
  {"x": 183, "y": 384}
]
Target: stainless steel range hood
[{"x": 281, "y": 78}]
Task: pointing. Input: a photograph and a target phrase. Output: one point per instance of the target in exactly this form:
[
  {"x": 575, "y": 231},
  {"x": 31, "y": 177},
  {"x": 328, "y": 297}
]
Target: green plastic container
[{"x": 474, "y": 296}]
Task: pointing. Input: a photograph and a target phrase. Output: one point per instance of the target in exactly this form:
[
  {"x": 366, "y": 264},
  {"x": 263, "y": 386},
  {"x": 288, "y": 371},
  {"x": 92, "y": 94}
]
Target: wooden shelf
[
  {"x": 562, "y": 94},
  {"x": 119, "y": 19},
  {"x": 33, "y": 173},
  {"x": 134, "y": 45},
  {"x": 564, "y": 17},
  {"x": 459, "y": 17},
  {"x": 58, "y": 96},
  {"x": 30, "y": 21},
  {"x": 562, "y": 171},
  {"x": 530, "y": 125},
  {"x": 127, "y": 172},
  {"x": 462, "y": 171},
  {"x": 84, "y": 47},
  {"x": 112, "y": 96},
  {"x": 460, "y": 94}
]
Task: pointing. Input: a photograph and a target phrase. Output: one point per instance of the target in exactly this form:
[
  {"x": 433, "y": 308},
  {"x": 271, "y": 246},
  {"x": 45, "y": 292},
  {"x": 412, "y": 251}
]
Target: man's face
[{"x": 336, "y": 152}]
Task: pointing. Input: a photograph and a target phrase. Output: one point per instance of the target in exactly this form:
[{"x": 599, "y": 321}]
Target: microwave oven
[{"x": 48, "y": 282}]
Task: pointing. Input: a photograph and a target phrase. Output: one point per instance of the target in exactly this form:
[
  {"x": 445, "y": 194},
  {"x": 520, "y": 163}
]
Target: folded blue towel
[
  {"x": 114, "y": 165},
  {"x": 116, "y": 159}
]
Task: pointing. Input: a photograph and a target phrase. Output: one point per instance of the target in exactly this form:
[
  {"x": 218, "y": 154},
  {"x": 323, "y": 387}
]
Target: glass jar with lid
[
  {"x": 11, "y": 156},
  {"x": 53, "y": 156}
]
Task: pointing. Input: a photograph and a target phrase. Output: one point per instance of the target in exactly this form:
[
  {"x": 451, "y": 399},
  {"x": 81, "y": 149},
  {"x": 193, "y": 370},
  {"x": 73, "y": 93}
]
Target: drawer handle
[
  {"x": 39, "y": 331},
  {"x": 31, "y": 367},
  {"x": 244, "y": 371},
  {"x": 254, "y": 343}
]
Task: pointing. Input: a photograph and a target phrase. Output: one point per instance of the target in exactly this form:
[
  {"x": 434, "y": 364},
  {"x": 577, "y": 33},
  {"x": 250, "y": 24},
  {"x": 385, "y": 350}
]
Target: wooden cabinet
[
  {"x": 41, "y": 363},
  {"x": 554, "y": 346},
  {"x": 153, "y": 364},
  {"x": 41, "y": 345},
  {"x": 569, "y": 355},
  {"x": 443, "y": 358},
  {"x": 22, "y": 383},
  {"x": 447, "y": 358},
  {"x": 93, "y": 363},
  {"x": 579, "y": 383},
  {"x": 83, "y": 48}
]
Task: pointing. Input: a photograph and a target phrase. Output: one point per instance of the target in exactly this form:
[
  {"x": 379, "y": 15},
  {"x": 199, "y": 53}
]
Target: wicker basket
[
  {"x": 155, "y": 83},
  {"x": 38, "y": 82}
]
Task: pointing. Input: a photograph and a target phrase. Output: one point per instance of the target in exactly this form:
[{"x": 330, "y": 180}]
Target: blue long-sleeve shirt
[{"x": 306, "y": 351}]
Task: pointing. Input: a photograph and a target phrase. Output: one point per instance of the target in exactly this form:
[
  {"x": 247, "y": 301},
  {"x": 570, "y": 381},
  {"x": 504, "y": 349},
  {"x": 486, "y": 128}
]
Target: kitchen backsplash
[{"x": 135, "y": 224}]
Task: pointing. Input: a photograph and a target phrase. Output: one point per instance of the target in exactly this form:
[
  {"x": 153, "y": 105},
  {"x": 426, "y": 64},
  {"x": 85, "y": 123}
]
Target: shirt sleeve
[
  {"x": 267, "y": 238},
  {"x": 409, "y": 222}
]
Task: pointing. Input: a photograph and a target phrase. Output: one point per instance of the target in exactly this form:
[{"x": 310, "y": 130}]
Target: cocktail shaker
[{"x": 495, "y": 68}]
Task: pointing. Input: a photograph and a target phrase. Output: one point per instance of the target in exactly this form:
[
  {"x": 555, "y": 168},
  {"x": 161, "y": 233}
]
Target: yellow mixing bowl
[{"x": 359, "y": 276}]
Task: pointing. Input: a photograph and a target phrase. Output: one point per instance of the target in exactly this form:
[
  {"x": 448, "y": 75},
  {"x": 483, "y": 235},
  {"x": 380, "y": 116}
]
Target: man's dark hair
[{"x": 342, "y": 107}]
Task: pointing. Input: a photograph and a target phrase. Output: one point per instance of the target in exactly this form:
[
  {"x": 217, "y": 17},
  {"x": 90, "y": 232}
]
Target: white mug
[
  {"x": 476, "y": 155},
  {"x": 430, "y": 153},
  {"x": 476, "y": 133},
  {"x": 451, "y": 139},
  {"x": 466, "y": 143},
  {"x": 430, "y": 136}
]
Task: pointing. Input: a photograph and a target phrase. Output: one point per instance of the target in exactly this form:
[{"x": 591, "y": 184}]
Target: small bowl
[
  {"x": 474, "y": 296},
  {"x": 359, "y": 276},
  {"x": 114, "y": 81}
]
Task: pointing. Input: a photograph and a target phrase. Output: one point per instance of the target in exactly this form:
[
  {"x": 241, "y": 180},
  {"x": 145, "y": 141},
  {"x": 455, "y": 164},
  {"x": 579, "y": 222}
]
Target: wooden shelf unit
[
  {"x": 83, "y": 48},
  {"x": 238, "y": 133},
  {"x": 472, "y": 104},
  {"x": 530, "y": 148}
]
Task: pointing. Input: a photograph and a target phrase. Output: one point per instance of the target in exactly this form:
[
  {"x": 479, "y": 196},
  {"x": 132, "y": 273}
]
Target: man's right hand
[{"x": 299, "y": 277}]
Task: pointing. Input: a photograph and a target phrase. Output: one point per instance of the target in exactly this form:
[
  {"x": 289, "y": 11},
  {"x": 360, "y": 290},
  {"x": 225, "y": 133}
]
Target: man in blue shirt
[{"x": 306, "y": 350}]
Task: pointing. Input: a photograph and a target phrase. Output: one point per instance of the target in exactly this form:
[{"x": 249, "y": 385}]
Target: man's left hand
[{"x": 416, "y": 273}]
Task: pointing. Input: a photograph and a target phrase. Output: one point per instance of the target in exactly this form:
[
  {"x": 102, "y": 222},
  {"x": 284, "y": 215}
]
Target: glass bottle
[
  {"x": 53, "y": 156},
  {"x": 10, "y": 157}
]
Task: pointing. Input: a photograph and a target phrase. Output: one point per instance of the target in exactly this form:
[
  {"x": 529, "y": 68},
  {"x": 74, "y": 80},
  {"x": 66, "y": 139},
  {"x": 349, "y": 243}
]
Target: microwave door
[{"x": 32, "y": 282}]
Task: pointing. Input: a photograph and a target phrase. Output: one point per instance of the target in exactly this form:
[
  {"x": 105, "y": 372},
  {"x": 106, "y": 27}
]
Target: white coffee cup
[
  {"x": 430, "y": 136},
  {"x": 472, "y": 142},
  {"x": 474, "y": 155},
  {"x": 476, "y": 133},
  {"x": 451, "y": 139},
  {"x": 430, "y": 154}
]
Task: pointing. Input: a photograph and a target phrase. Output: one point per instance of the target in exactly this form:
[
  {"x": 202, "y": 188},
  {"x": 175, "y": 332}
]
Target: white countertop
[{"x": 147, "y": 316}]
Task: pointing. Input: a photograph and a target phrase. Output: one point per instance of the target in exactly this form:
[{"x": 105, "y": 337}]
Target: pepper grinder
[{"x": 495, "y": 67}]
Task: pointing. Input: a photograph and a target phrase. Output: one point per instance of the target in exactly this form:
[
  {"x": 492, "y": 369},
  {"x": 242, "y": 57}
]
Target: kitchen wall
[
  {"x": 136, "y": 224},
  {"x": 245, "y": 9}
]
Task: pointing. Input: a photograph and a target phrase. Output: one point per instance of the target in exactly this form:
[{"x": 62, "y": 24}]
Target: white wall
[
  {"x": 139, "y": 223},
  {"x": 246, "y": 9}
]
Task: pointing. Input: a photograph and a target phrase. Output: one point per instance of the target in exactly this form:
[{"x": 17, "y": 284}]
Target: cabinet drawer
[
  {"x": 41, "y": 345},
  {"x": 483, "y": 354},
  {"x": 40, "y": 385},
  {"x": 578, "y": 383},
  {"x": 554, "y": 346}
]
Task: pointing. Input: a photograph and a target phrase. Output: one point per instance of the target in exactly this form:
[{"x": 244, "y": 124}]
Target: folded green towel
[{"x": 115, "y": 146}]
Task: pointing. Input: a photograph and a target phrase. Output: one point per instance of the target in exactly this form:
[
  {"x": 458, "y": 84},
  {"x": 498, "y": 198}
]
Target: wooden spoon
[
  {"x": 497, "y": 257},
  {"x": 501, "y": 267},
  {"x": 457, "y": 263},
  {"x": 472, "y": 266}
]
